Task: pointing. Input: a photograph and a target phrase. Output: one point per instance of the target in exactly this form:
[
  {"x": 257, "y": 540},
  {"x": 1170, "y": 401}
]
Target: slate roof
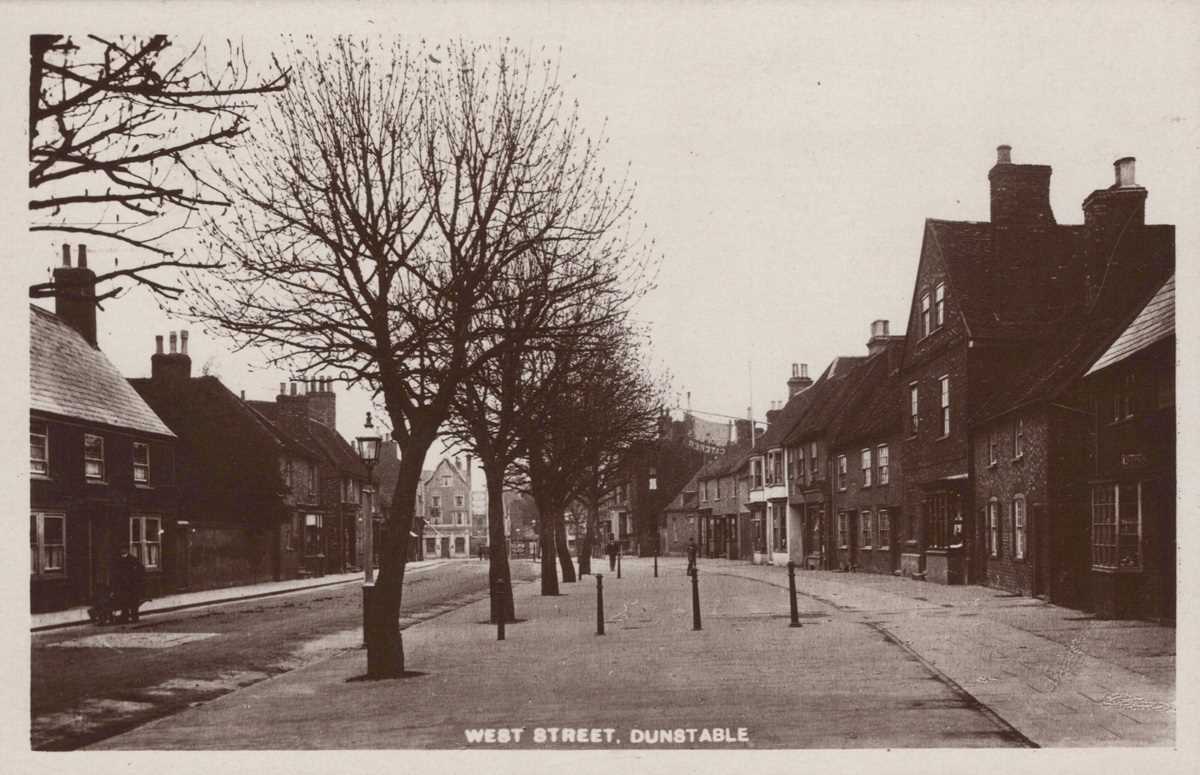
[
  {"x": 1154, "y": 323},
  {"x": 829, "y": 394},
  {"x": 70, "y": 378}
]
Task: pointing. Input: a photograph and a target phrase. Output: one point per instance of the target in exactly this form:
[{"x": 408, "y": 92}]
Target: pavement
[
  {"x": 879, "y": 662},
  {"x": 71, "y": 617}
]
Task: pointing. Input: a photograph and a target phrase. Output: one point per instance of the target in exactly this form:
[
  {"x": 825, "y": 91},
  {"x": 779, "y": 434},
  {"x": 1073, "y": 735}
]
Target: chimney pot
[
  {"x": 1004, "y": 154},
  {"x": 173, "y": 342},
  {"x": 82, "y": 256},
  {"x": 1124, "y": 172},
  {"x": 158, "y": 344},
  {"x": 66, "y": 254},
  {"x": 243, "y": 395},
  {"x": 795, "y": 369},
  {"x": 183, "y": 336}
]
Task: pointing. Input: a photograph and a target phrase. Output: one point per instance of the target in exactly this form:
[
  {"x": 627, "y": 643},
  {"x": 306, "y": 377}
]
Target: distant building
[
  {"x": 447, "y": 493},
  {"x": 102, "y": 463}
]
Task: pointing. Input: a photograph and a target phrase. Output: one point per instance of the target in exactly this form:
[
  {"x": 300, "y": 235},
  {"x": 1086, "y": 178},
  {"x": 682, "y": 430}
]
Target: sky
[{"x": 786, "y": 155}]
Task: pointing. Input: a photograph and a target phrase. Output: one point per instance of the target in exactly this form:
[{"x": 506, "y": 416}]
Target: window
[
  {"x": 435, "y": 515},
  {"x": 458, "y": 518},
  {"x": 801, "y": 468},
  {"x": 885, "y": 473},
  {"x": 756, "y": 473},
  {"x": 435, "y": 501},
  {"x": 914, "y": 417},
  {"x": 39, "y": 449},
  {"x": 864, "y": 527},
  {"x": 943, "y": 520},
  {"x": 141, "y": 463},
  {"x": 145, "y": 540},
  {"x": 926, "y": 320},
  {"x": 93, "y": 456},
  {"x": 1019, "y": 439},
  {"x": 774, "y": 473},
  {"x": 1116, "y": 526},
  {"x": 314, "y": 539},
  {"x": 814, "y": 472},
  {"x": 939, "y": 305},
  {"x": 704, "y": 491},
  {"x": 350, "y": 491},
  {"x": 1018, "y": 514},
  {"x": 843, "y": 529},
  {"x": 884, "y": 528},
  {"x": 866, "y": 467},
  {"x": 445, "y": 481},
  {"x": 716, "y": 489},
  {"x": 312, "y": 481},
  {"x": 992, "y": 448},
  {"x": 652, "y": 480},
  {"x": 458, "y": 500},
  {"x": 47, "y": 543},
  {"x": 430, "y": 546},
  {"x": 841, "y": 472},
  {"x": 460, "y": 545},
  {"x": 779, "y": 526},
  {"x": 945, "y": 384},
  {"x": 993, "y": 522}
]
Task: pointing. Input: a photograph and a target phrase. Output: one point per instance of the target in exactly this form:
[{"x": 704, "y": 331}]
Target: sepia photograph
[{"x": 699, "y": 386}]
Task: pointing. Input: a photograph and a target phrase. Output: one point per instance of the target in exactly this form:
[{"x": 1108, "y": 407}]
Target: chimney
[
  {"x": 1110, "y": 213},
  {"x": 322, "y": 403},
  {"x": 1020, "y": 192},
  {"x": 773, "y": 412},
  {"x": 75, "y": 294},
  {"x": 170, "y": 366},
  {"x": 741, "y": 430},
  {"x": 799, "y": 379},
  {"x": 879, "y": 337}
]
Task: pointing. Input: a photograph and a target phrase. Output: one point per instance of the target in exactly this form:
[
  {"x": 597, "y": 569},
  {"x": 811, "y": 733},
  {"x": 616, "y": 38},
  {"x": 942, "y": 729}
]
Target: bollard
[
  {"x": 599, "y": 603},
  {"x": 367, "y": 591},
  {"x": 618, "y": 563},
  {"x": 695, "y": 599},
  {"x": 500, "y": 609},
  {"x": 791, "y": 566},
  {"x": 656, "y": 562}
]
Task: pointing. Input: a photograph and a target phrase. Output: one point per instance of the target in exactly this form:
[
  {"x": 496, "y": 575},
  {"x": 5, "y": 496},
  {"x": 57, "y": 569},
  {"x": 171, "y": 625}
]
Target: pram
[{"x": 101, "y": 611}]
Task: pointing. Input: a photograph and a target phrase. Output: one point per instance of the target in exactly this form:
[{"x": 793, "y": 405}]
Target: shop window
[
  {"x": 993, "y": 521},
  {"x": 1018, "y": 514},
  {"x": 93, "y": 457},
  {"x": 39, "y": 449},
  {"x": 314, "y": 536},
  {"x": 47, "y": 543},
  {"x": 1117, "y": 526},
  {"x": 145, "y": 540}
]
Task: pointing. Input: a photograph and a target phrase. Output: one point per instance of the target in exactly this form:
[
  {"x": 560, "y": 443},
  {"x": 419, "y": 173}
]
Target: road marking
[{"x": 132, "y": 640}]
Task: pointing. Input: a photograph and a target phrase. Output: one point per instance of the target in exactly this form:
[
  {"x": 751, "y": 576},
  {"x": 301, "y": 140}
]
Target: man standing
[
  {"x": 611, "y": 547},
  {"x": 129, "y": 578},
  {"x": 691, "y": 549}
]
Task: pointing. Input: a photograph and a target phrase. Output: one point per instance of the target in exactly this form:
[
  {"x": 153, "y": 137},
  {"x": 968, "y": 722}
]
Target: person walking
[
  {"x": 612, "y": 548},
  {"x": 129, "y": 584}
]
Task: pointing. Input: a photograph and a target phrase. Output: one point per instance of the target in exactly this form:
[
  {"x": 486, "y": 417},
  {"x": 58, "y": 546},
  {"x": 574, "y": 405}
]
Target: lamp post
[{"x": 368, "y": 450}]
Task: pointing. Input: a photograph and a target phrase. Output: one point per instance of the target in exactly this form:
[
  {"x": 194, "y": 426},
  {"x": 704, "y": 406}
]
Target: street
[
  {"x": 878, "y": 662},
  {"x": 89, "y": 683}
]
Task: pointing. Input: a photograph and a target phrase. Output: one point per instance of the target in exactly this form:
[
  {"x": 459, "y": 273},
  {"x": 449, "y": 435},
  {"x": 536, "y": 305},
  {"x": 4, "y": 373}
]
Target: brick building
[
  {"x": 249, "y": 493},
  {"x": 723, "y": 510},
  {"x": 447, "y": 493},
  {"x": 868, "y": 486},
  {"x": 102, "y": 463}
]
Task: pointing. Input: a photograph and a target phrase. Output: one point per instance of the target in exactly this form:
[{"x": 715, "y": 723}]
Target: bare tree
[
  {"x": 388, "y": 191},
  {"x": 117, "y": 127}
]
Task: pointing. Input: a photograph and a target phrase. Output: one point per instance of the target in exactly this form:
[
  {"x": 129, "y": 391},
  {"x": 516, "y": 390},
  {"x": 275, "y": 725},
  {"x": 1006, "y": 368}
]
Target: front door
[{"x": 445, "y": 547}]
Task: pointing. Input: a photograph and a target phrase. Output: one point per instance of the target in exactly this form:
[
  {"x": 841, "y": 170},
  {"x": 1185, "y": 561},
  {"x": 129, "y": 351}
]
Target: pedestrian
[
  {"x": 129, "y": 584},
  {"x": 612, "y": 548},
  {"x": 691, "y": 550}
]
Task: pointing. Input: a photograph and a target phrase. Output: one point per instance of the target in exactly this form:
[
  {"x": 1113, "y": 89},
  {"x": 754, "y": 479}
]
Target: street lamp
[{"x": 368, "y": 450}]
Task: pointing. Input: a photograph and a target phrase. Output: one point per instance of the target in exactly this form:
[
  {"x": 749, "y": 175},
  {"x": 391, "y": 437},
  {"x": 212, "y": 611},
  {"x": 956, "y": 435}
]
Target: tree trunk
[
  {"x": 499, "y": 573},
  {"x": 564, "y": 552},
  {"x": 585, "y": 549},
  {"x": 546, "y": 542},
  {"x": 385, "y": 645}
]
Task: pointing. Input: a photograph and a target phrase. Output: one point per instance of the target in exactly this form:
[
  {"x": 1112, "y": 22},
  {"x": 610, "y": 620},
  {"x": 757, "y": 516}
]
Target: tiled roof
[
  {"x": 787, "y": 418},
  {"x": 1154, "y": 323},
  {"x": 267, "y": 414},
  {"x": 316, "y": 438},
  {"x": 872, "y": 410},
  {"x": 829, "y": 394},
  {"x": 733, "y": 459},
  {"x": 70, "y": 378}
]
